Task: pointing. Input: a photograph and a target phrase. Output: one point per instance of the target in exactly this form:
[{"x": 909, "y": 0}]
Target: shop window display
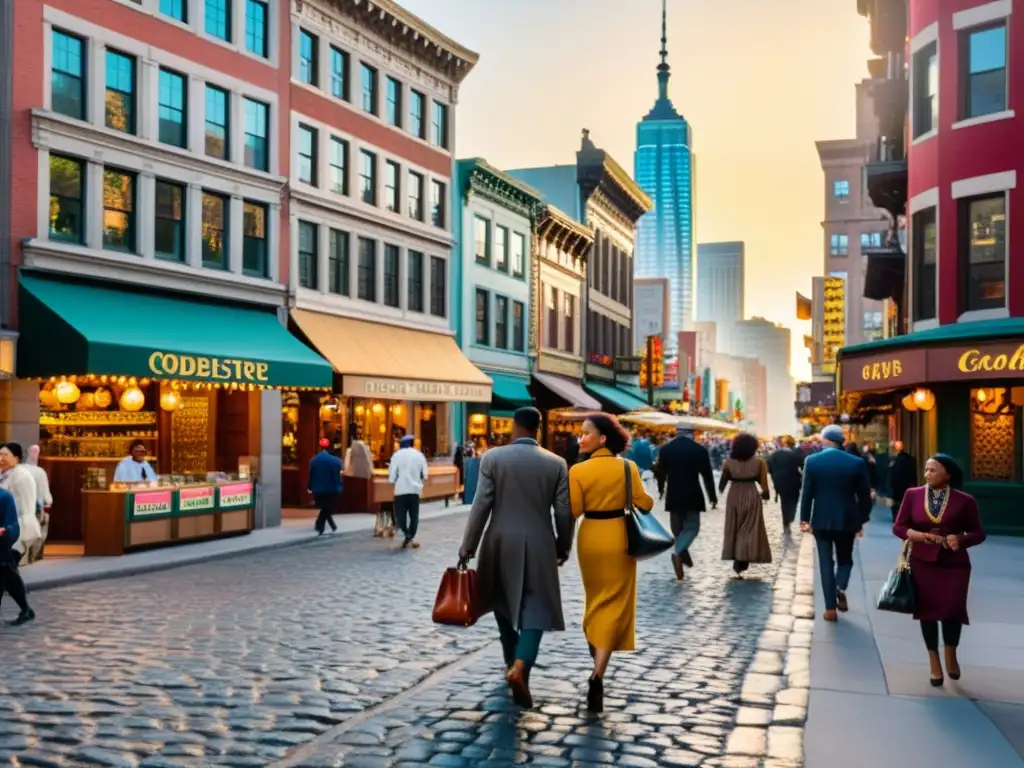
[{"x": 995, "y": 425}]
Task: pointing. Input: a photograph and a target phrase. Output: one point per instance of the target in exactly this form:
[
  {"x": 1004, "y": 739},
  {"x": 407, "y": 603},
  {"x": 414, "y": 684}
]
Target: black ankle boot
[{"x": 595, "y": 695}]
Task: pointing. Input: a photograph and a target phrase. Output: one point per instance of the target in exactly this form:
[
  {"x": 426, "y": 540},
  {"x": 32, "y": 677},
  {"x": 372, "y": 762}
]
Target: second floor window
[
  {"x": 339, "y": 74},
  {"x": 120, "y": 97},
  {"x": 518, "y": 254},
  {"x": 414, "y": 282},
  {"x": 307, "y": 155},
  {"x": 391, "y": 275},
  {"x": 983, "y": 252},
  {"x": 217, "y": 132},
  {"x": 417, "y": 122},
  {"x": 366, "y": 269},
  {"x": 339, "y": 166},
  {"x": 438, "y": 286},
  {"x": 841, "y": 190},
  {"x": 394, "y": 102},
  {"x": 569, "y": 322},
  {"x": 67, "y": 76},
  {"x": 218, "y": 19},
  {"x": 551, "y": 316},
  {"x": 337, "y": 279},
  {"x": 172, "y": 98},
  {"x": 501, "y": 248},
  {"x": 983, "y": 72},
  {"x": 256, "y": 135},
  {"x": 871, "y": 240},
  {"x": 415, "y": 196},
  {"x": 483, "y": 319},
  {"x": 501, "y": 322},
  {"x": 309, "y": 256},
  {"x": 67, "y": 198},
  {"x": 256, "y": 27},
  {"x": 118, "y": 210},
  {"x": 307, "y": 58},
  {"x": 391, "y": 176},
  {"x": 482, "y": 239},
  {"x": 439, "y": 126},
  {"x": 368, "y": 80},
  {"x": 255, "y": 260},
  {"x": 839, "y": 245},
  {"x": 923, "y": 235},
  {"x": 175, "y": 9},
  {"x": 216, "y": 218},
  {"x": 368, "y": 177},
  {"x": 438, "y": 191},
  {"x": 518, "y": 316},
  {"x": 169, "y": 227},
  {"x": 926, "y": 90}
]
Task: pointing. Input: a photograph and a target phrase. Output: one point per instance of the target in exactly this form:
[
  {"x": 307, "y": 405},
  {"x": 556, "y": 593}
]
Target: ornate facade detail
[{"x": 501, "y": 189}]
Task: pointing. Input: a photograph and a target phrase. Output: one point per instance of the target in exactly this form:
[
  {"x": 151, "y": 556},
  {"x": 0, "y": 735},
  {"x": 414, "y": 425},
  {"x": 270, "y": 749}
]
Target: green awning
[
  {"x": 952, "y": 333},
  {"x": 620, "y": 397},
  {"x": 510, "y": 391},
  {"x": 70, "y": 328}
]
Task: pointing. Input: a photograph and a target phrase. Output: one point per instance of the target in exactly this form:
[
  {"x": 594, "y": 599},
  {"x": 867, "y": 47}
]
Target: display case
[{"x": 96, "y": 434}]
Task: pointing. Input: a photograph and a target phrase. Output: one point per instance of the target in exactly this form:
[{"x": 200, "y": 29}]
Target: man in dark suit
[
  {"x": 902, "y": 476},
  {"x": 10, "y": 578},
  {"x": 325, "y": 485},
  {"x": 786, "y": 466},
  {"x": 835, "y": 505},
  {"x": 684, "y": 463}
]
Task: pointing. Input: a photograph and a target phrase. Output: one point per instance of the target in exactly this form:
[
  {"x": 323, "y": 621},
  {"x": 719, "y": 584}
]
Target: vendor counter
[
  {"x": 442, "y": 483},
  {"x": 119, "y": 520}
]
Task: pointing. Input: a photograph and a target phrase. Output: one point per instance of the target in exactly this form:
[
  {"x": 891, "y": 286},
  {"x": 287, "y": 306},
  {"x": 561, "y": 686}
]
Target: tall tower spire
[{"x": 663, "y": 67}]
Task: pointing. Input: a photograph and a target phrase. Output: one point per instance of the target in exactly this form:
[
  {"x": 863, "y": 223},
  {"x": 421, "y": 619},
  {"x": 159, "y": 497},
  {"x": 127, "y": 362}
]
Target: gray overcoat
[{"x": 517, "y": 563}]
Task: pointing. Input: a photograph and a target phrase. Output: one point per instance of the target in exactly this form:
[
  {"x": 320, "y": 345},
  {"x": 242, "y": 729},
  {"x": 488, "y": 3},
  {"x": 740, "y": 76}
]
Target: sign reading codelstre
[{"x": 170, "y": 365}]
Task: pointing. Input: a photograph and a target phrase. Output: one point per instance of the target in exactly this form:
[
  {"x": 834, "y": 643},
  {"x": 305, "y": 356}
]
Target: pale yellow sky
[{"x": 758, "y": 81}]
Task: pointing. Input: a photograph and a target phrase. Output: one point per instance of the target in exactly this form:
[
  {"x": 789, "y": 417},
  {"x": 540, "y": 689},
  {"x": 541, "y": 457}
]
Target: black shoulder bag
[{"x": 645, "y": 536}]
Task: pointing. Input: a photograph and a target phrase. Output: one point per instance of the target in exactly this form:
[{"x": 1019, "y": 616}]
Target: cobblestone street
[{"x": 287, "y": 658}]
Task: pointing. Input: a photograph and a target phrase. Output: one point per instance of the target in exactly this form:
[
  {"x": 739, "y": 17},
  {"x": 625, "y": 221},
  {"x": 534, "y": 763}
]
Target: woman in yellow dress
[{"x": 597, "y": 492}]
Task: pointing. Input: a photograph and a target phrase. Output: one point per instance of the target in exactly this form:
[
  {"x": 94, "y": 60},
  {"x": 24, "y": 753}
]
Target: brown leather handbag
[{"x": 458, "y": 598}]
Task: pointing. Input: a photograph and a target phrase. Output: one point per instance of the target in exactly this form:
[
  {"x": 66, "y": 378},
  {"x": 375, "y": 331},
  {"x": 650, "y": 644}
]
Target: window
[
  {"x": 393, "y": 112},
  {"x": 871, "y": 240},
  {"x": 257, "y": 118},
  {"x": 439, "y": 126},
  {"x": 839, "y": 245},
  {"x": 218, "y": 19},
  {"x": 518, "y": 254},
  {"x": 414, "y": 278},
  {"x": 176, "y": 9},
  {"x": 391, "y": 172},
  {"x": 337, "y": 263},
  {"x": 169, "y": 228},
  {"x": 309, "y": 246},
  {"x": 369, "y": 83},
  {"x": 437, "y": 203},
  {"x": 339, "y": 166},
  {"x": 983, "y": 52},
  {"x": 983, "y": 252},
  {"x": 391, "y": 269},
  {"x": 417, "y": 122},
  {"x": 254, "y": 240},
  {"x": 501, "y": 248},
  {"x": 483, "y": 240},
  {"x": 307, "y": 155},
  {"x": 483, "y": 320},
  {"x": 926, "y": 90},
  {"x": 307, "y": 58},
  {"x": 995, "y": 434},
  {"x": 120, "y": 98},
  {"x": 438, "y": 286},
  {"x": 256, "y": 27},
  {"x": 924, "y": 237},
  {"x": 118, "y": 210},
  {"x": 551, "y": 312},
  {"x": 367, "y": 269},
  {"x": 67, "y": 77},
  {"x": 501, "y": 322},
  {"x": 518, "y": 313},
  {"x": 872, "y": 325},
  {"x": 416, "y": 196},
  {"x": 339, "y": 74},
  {"x": 217, "y": 133},
  {"x": 67, "y": 199},
  {"x": 173, "y": 126},
  {"x": 368, "y": 177},
  {"x": 841, "y": 190},
  {"x": 569, "y": 322},
  {"x": 215, "y": 230}
]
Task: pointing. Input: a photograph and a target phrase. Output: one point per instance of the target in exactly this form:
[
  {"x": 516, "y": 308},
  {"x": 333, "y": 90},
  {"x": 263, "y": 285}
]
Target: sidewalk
[
  {"x": 871, "y": 703},
  {"x": 61, "y": 571}
]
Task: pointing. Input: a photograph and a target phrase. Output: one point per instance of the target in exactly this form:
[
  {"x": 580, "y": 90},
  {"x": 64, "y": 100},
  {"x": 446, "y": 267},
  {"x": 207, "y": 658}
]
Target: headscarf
[{"x": 953, "y": 469}]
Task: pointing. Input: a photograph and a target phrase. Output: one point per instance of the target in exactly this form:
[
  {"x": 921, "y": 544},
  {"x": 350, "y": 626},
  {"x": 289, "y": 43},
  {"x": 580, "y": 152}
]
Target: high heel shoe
[
  {"x": 952, "y": 664},
  {"x": 595, "y": 695},
  {"x": 935, "y": 664}
]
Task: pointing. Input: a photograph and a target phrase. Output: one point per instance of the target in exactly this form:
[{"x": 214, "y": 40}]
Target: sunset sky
[{"x": 758, "y": 81}]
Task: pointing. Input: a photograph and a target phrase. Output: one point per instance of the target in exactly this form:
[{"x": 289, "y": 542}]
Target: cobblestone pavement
[{"x": 291, "y": 658}]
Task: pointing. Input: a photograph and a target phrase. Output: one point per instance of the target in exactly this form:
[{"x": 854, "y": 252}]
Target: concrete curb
[{"x": 65, "y": 580}]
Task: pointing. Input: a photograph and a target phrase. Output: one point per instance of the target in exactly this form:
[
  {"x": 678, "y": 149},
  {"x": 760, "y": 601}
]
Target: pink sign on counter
[
  {"x": 152, "y": 503},
  {"x": 236, "y": 495},
  {"x": 196, "y": 499}
]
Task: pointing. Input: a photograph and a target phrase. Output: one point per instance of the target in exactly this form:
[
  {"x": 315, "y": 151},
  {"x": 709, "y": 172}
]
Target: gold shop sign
[
  {"x": 833, "y": 322},
  {"x": 414, "y": 389},
  {"x": 997, "y": 360},
  {"x": 170, "y": 365},
  {"x": 863, "y": 373},
  {"x": 976, "y": 361}
]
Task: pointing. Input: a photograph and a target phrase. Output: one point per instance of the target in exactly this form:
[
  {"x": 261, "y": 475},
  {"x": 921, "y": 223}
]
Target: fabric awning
[
  {"x": 510, "y": 391},
  {"x": 568, "y": 390},
  {"x": 392, "y": 362},
  {"x": 620, "y": 398},
  {"x": 73, "y": 328}
]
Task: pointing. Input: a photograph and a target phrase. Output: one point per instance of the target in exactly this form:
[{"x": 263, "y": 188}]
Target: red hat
[{"x": 325, "y": 443}]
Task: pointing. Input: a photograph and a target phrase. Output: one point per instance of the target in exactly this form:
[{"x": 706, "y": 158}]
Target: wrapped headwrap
[{"x": 953, "y": 469}]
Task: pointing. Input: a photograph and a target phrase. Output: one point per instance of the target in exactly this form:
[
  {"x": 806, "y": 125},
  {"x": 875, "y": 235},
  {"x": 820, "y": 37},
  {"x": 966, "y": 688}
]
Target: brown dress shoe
[
  {"x": 519, "y": 685},
  {"x": 677, "y": 564},
  {"x": 841, "y": 602},
  {"x": 830, "y": 615}
]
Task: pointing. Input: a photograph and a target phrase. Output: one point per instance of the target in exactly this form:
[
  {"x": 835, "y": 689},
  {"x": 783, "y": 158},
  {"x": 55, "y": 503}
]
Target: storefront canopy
[
  {"x": 568, "y": 390},
  {"x": 70, "y": 328},
  {"x": 395, "y": 363},
  {"x": 620, "y": 397},
  {"x": 510, "y": 392}
]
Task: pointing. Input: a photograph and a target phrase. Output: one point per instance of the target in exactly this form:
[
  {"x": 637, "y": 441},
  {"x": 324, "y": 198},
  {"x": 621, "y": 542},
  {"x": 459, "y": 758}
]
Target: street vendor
[{"x": 134, "y": 468}]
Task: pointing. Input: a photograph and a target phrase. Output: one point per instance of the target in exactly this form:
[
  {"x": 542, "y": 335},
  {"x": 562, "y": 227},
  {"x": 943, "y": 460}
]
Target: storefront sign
[
  {"x": 235, "y": 495},
  {"x": 410, "y": 389},
  {"x": 984, "y": 361},
  {"x": 834, "y": 322},
  {"x": 152, "y": 504},
  {"x": 196, "y": 499},
  {"x": 169, "y": 365},
  {"x": 884, "y": 371}
]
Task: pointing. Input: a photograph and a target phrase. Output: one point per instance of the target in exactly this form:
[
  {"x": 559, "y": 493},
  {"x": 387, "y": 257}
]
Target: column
[
  {"x": 147, "y": 101},
  {"x": 274, "y": 244},
  {"x": 323, "y": 248},
  {"x": 195, "y": 16},
  {"x": 353, "y": 265},
  {"x": 236, "y": 130},
  {"x": 236, "y": 234},
  {"x": 43, "y": 199},
  {"x": 96, "y": 110},
  {"x": 293, "y": 252},
  {"x": 403, "y": 279},
  {"x": 378, "y": 272},
  {"x": 270, "y": 457},
  {"x": 323, "y": 158},
  {"x": 94, "y": 205},
  {"x": 238, "y": 23},
  {"x": 194, "y": 226},
  {"x": 196, "y": 127},
  {"x": 293, "y": 66},
  {"x": 145, "y": 215}
]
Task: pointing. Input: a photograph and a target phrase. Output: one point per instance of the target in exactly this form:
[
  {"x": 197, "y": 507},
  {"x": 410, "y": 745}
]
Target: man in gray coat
[{"x": 521, "y": 552}]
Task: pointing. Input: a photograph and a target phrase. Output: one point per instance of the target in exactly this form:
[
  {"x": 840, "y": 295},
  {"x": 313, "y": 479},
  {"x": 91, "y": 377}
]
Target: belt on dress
[
  {"x": 743, "y": 479},
  {"x": 610, "y": 514}
]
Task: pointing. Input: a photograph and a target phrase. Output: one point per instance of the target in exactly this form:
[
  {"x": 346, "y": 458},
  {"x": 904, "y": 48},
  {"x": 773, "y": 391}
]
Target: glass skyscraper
[{"x": 663, "y": 167}]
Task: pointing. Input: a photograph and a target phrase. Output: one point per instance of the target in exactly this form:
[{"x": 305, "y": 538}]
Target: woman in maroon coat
[{"x": 940, "y": 521}]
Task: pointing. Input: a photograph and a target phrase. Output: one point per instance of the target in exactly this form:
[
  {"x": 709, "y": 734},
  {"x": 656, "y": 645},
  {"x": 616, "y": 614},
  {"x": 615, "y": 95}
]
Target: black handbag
[
  {"x": 898, "y": 594},
  {"x": 645, "y": 536}
]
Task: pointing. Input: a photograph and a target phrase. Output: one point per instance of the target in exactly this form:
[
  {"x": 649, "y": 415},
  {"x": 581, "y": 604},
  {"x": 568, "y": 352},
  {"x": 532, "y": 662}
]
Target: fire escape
[{"x": 886, "y": 173}]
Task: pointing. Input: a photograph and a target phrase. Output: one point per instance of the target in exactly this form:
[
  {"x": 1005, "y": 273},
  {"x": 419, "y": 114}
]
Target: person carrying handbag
[{"x": 598, "y": 494}]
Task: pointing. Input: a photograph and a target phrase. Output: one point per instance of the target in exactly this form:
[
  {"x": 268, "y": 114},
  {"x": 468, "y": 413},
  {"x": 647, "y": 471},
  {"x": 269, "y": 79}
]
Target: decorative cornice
[
  {"x": 596, "y": 169},
  {"x": 565, "y": 233},
  {"x": 480, "y": 178}
]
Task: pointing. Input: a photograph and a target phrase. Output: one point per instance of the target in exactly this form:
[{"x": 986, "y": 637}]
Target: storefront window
[
  {"x": 289, "y": 429},
  {"x": 995, "y": 417}
]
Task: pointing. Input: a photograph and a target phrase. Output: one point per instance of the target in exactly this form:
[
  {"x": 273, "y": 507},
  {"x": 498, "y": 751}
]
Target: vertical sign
[{"x": 834, "y": 331}]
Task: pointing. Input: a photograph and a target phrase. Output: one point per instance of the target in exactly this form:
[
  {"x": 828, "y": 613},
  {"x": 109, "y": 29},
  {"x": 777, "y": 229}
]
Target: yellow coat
[{"x": 609, "y": 573}]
